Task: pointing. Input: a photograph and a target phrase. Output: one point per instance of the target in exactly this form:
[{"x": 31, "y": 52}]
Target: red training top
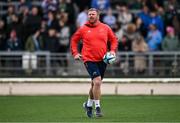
[{"x": 94, "y": 38}]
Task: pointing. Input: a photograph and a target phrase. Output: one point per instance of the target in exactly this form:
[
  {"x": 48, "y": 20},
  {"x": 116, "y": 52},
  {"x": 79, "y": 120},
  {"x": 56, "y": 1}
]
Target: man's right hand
[{"x": 78, "y": 56}]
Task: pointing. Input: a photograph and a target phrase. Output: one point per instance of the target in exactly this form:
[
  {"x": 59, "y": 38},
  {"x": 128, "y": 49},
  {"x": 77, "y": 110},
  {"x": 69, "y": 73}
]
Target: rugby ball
[{"x": 109, "y": 58}]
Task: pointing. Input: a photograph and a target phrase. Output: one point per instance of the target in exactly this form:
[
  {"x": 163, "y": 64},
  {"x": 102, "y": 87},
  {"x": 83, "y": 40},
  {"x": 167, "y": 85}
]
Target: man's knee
[{"x": 97, "y": 81}]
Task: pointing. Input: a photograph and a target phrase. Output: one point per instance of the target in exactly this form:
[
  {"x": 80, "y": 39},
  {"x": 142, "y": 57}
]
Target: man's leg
[
  {"x": 89, "y": 104},
  {"x": 91, "y": 97},
  {"x": 97, "y": 95},
  {"x": 91, "y": 91},
  {"x": 97, "y": 88},
  {"x": 96, "y": 71}
]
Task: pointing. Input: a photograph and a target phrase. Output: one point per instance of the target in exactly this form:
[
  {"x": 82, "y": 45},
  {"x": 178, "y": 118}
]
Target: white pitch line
[{"x": 113, "y": 80}]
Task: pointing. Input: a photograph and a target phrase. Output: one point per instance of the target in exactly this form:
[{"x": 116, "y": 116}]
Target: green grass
[{"x": 69, "y": 109}]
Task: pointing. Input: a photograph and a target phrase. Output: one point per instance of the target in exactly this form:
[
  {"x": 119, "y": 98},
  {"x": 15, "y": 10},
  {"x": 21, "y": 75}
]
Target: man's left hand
[{"x": 113, "y": 53}]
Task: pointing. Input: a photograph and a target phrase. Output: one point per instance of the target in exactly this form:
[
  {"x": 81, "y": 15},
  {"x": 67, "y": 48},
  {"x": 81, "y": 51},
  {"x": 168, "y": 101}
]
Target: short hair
[
  {"x": 94, "y": 9},
  {"x": 131, "y": 28}
]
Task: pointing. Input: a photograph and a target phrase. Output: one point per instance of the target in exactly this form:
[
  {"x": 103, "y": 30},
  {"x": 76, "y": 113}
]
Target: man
[{"x": 95, "y": 36}]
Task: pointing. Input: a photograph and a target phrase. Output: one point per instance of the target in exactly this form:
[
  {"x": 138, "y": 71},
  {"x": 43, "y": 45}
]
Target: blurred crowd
[{"x": 140, "y": 25}]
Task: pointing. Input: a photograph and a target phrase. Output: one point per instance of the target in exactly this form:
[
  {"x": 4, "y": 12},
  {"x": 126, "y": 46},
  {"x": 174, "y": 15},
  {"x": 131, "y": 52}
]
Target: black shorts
[{"x": 95, "y": 69}]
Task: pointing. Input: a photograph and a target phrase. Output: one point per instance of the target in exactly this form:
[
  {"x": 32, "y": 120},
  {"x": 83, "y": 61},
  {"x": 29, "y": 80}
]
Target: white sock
[
  {"x": 90, "y": 103},
  {"x": 97, "y": 103}
]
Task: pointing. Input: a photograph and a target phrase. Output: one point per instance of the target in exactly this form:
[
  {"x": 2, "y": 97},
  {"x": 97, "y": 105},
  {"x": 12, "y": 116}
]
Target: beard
[{"x": 93, "y": 20}]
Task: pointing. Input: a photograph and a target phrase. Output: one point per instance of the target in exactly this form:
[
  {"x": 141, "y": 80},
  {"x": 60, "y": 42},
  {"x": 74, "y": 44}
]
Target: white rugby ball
[{"x": 109, "y": 58}]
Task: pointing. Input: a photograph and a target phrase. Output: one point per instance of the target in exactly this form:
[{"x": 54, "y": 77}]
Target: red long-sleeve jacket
[{"x": 95, "y": 39}]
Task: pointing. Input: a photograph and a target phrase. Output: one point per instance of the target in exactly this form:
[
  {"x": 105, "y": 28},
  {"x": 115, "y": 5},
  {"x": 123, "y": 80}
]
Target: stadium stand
[{"x": 34, "y": 37}]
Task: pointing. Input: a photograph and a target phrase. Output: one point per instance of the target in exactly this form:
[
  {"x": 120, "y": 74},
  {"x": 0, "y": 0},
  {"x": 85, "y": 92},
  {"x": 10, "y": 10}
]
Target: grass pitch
[{"x": 69, "y": 109}]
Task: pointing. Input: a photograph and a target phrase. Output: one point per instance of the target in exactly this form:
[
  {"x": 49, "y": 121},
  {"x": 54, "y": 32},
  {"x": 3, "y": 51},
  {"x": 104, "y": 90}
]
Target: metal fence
[{"x": 128, "y": 64}]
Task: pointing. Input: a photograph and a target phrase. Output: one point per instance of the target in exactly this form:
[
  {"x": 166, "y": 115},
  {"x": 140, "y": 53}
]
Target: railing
[
  {"x": 128, "y": 64},
  {"x": 158, "y": 64}
]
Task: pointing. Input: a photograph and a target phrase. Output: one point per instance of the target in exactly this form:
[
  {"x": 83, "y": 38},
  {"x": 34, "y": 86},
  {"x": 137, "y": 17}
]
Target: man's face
[{"x": 93, "y": 17}]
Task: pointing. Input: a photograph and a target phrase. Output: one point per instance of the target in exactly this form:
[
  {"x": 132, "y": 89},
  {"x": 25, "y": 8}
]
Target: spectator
[
  {"x": 154, "y": 38},
  {"x": 2, "y": 35},
  {"x": 157, "y": 20},
  {"x": 176, "y": 24},
  {"x": 81, "y": 18},
  {"x": 69, "y": 7},
  {"x": 24, "y": 4},
  {"x": 171, "y": 4},
  {"x": 10, "y": 11},
  {"x": 145, "y": 19},
  {"x": 128, "y": 36},
  {"x": 52, "y": 45},
  {"x": 34, "y": 42},
  {"x": 161, "y": 12},
  {"x": 51, "y": 42},
  {"x": 23, "y": 15},
  {"x": 170, "y": 13},
  {"x": 51, "y": 20},
  {"x": 33, "y": 21},
  {"x": 44, "y": 32},
  {"x": 48, "y": 5},
  {"x": 124, "y": 16},
  {"x": 118, "y": 31},
  {"x": 170, "y": 42},
  {"x": 100, "y": 4},
  {"x": 139, "y": 46},
  {"x": 110, "y": 19},
  {"x": 15, "y": 25},
  {"x": 13, "y": 43},
  {"x": 64, "y": 34},
  {"x": 62, "y": 5}
]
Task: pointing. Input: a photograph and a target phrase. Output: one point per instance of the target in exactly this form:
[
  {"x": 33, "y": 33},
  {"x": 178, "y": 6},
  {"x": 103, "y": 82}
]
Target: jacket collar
[{"x": 92, "y": 25}]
